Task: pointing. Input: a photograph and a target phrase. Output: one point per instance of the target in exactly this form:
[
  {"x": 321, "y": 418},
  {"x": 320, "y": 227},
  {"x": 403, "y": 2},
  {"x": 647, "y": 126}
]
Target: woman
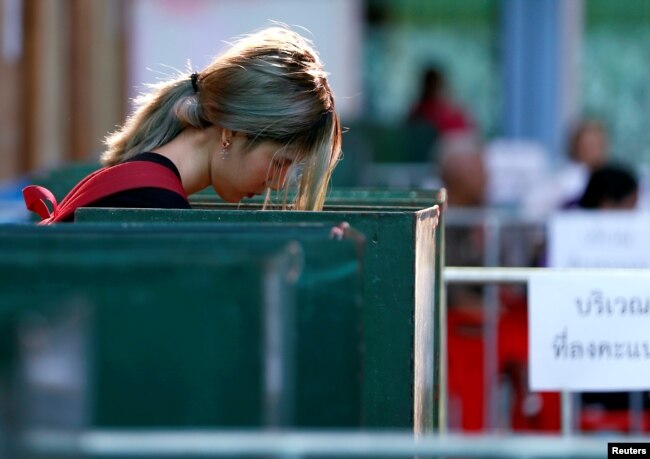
[
  {"x": 240, "y": 125},
  {"x": 587, "y": 150}
]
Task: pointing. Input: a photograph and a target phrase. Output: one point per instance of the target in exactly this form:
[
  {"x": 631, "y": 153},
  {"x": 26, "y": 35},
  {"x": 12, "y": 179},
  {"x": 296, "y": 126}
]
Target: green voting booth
[
  {"x": 349, "y": 199},
  {"x": 399, "y": 386}
]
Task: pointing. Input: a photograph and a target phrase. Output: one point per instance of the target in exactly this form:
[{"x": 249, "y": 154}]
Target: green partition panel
[
  {"x": 349, "y": 199},
  {"x": 413, "y": 199},
  {"x": 117, "y": 336},
  {"x": 398, "y": 316},
  {"x": 327, "y": 365}
]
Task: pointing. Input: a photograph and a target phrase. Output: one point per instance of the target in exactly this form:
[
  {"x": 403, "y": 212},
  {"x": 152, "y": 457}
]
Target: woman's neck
[{"x": 190, "y": 153}]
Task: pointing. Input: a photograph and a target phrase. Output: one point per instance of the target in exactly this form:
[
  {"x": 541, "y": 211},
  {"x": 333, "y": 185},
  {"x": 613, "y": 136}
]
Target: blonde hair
[{"x": 269, "y": 85}]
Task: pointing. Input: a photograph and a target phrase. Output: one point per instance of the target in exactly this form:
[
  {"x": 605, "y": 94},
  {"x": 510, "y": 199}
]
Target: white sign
[
  {"x": 589, "y": 332},
  {"x": 583, "y": 239}
]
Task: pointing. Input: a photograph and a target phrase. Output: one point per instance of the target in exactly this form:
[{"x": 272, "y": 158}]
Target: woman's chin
[{"x": 229, "y": 198}]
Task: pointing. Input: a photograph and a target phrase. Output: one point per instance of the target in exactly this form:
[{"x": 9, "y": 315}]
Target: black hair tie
[{"x": 195, "y": 81}]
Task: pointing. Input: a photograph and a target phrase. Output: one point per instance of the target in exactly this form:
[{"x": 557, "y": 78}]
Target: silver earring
[{"x": 224, "y": 149}]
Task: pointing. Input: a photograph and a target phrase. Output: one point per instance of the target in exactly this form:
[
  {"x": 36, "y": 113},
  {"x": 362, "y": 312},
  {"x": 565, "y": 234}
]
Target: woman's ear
[{"x": 226, "y": 136}]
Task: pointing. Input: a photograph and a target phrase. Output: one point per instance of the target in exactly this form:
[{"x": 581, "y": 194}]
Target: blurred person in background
[
  {"x": 437, "y": 107},
  {"x": 462, "y": 169},
  {"x": 431, "y": 119},
  {"x": 587, "y": 150},
  {"x": 239, "y": 125},
  {"x": 589, "y": 144}
]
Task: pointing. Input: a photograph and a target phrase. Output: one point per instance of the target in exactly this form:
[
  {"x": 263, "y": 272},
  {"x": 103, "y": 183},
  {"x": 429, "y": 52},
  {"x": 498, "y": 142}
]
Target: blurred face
[
  {"x": 245, "y": 173},
  {"x": 465, "y": 178},
  {"x": 591, "y": 147}
]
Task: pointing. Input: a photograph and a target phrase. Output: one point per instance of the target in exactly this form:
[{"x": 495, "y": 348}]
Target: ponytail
[{"x": 159, "y": 117}]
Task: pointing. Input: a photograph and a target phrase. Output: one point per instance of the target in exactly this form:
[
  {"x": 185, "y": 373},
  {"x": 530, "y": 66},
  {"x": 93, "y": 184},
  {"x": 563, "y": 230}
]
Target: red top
[{"x": 98, "y": 185}]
